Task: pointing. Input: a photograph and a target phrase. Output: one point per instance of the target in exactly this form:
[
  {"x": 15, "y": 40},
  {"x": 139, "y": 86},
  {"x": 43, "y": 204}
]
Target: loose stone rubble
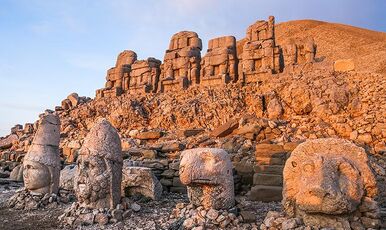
[{"x": 27, "y": 200}]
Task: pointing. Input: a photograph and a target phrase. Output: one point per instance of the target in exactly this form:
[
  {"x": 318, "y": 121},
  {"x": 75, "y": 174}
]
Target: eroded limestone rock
[
  {"x": 42, "y": 162},
  {"x": 207, "y": 172},
  {"x": 328, "y": 182},
  {"x": 97, "y": 181}
]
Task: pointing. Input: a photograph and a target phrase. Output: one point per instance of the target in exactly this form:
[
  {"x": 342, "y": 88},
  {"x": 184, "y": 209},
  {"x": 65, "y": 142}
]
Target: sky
[{"x": 49, "y": 49}]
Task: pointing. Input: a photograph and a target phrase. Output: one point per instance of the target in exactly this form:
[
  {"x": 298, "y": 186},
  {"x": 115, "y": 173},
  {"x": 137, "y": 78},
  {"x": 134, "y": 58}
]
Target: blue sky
[{"x": 49, "y": 49}]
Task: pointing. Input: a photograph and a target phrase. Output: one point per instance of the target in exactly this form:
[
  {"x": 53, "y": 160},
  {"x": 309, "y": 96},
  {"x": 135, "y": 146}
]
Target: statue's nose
[{"x": 322, "y": 190}]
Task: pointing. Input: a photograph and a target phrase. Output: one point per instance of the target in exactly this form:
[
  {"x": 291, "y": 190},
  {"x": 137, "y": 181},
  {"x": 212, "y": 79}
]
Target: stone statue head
[
  {"x": 208, "y": 174},
  {"x": 42, "y": 162},
  {"x": 126, "y": 57},
  {"x": 328, "y": 177},
  {"x": 97, "y": 180}
]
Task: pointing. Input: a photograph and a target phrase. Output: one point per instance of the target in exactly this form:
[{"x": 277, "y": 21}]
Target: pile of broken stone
[{"x": 28, "y": 200}]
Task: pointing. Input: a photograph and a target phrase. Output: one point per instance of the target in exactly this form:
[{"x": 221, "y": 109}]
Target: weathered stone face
[
  {"x": 219, "y": 65},
  {"x": 37, "y": 176},
  {"x": 326, "y": 176},
  {"x": 181, "y": 65},
  {"x": 207, "y": 172},
  {"x": 97, "y": 180},
  {"x": 42, "y": 162}
]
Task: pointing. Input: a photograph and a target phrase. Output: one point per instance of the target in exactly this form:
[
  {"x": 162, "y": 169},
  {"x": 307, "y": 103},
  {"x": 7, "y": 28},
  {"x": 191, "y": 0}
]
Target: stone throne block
[
  {"x": 181, "y": 67},
  {"x": 260, "y": 56},
  {"x": 219, "y": 65},
  {"x": 144, "y": 76}
]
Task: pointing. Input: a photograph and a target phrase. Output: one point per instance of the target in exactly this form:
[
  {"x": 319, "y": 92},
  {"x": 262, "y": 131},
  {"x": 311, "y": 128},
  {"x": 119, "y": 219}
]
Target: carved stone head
[
  {"x": 330, "y": 177},
  {"x": 97, "y": 180},
  {"x": 126, "y": 57},
  {"x": 42, "y": 162},
  {"x": 208, "y": 174}
]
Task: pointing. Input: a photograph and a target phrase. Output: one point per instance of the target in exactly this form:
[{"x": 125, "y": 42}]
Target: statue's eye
[{"x": 294, "y": 164}]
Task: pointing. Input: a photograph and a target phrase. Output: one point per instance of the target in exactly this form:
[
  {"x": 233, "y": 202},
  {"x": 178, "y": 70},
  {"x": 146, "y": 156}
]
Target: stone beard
[
  {"x": 97, "y": 180},
  {"x": 93, "y": 179}
]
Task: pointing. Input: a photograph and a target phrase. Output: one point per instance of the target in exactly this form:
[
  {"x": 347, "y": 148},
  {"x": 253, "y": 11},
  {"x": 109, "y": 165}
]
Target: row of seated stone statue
[{"x": 223, "y": 63}]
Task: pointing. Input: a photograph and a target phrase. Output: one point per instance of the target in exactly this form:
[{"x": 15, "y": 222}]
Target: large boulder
[{"x": 8, "y": 141}]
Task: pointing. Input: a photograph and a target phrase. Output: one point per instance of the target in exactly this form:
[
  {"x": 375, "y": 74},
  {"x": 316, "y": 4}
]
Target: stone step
[
  {"x": 270, "y": 161},
  {"x": 267, "y": 179},
  {"x": 269, "y": 169},
  {"x": 266, "y": 193}
]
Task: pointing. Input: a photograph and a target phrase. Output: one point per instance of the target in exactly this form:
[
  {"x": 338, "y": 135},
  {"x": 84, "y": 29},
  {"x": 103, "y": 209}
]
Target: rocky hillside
[{"x": 338, "y": 41}]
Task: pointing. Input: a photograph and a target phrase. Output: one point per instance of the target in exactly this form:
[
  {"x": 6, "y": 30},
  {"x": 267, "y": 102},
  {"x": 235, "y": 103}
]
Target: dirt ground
[{"x": 20, "y": 219}]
